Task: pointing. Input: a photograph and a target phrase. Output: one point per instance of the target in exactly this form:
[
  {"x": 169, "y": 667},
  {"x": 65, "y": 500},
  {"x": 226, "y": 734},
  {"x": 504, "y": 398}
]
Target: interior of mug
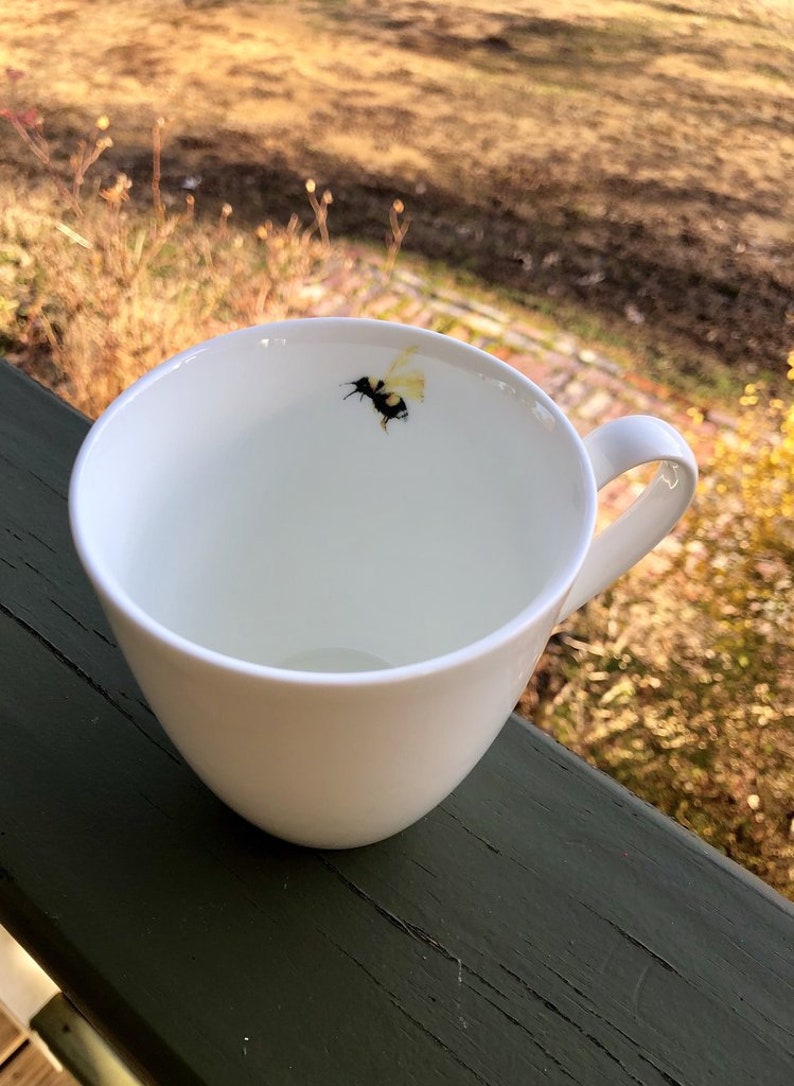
[{"x": 332, "y": 495}]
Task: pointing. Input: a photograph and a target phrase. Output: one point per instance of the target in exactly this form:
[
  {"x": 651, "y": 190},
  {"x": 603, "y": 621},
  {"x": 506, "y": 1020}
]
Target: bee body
[
  {"x": 386, "y": 393},
  {"x": 389, "y": 405}
]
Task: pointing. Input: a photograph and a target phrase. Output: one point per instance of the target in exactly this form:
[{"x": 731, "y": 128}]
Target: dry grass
[
  {"x": 106, "y": 285},
  {"x": 627, "y": 161},
  {"x": 679, "y": 681}
]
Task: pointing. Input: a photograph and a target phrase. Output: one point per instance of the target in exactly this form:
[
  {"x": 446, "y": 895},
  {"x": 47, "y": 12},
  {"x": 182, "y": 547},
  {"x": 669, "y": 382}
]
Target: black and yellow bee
[{"x": 389, "y": 393}]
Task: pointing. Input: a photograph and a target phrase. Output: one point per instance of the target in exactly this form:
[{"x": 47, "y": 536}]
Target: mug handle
[{"x": 616, "y": 447}]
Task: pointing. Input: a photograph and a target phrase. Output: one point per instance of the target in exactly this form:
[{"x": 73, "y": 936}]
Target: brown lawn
[{"x": 625, "y": 165}]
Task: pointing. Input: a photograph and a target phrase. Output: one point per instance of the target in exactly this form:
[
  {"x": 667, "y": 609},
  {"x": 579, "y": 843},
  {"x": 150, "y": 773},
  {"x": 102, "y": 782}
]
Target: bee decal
[{"x": 389, "y": 393}]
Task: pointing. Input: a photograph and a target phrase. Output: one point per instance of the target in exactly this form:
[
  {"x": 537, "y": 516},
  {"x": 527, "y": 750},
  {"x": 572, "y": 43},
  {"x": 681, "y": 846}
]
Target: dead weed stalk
[{"x": 91, "y": 304}]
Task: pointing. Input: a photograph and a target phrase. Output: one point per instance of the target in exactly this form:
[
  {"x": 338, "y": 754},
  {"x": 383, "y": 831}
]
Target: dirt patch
[{"x": 626, "y": 168}]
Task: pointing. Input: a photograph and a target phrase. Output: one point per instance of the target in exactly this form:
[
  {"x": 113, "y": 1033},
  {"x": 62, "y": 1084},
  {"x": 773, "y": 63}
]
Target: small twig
[
  {"x": 157, "y": 149},
  {"x": 87, "y": 153},
  {"x": 226, "y": 211},
  {"x": 29, "y": 125},
  {"x": 399, "y": 228},
  {"x": 72, "y": 235},
  {"x": 320, "y": 209}
]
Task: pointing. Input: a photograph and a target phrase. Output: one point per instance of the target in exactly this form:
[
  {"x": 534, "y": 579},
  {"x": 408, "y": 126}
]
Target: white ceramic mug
[{"x": 332, "y": 551}]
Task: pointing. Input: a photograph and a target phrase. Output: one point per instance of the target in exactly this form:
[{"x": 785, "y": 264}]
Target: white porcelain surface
[{"x": 331, "y": 600}]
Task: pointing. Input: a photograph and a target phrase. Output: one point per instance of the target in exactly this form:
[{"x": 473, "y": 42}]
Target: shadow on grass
[
  {"x": 710, "y": 314},
  {"x": 683, "y": 300}
]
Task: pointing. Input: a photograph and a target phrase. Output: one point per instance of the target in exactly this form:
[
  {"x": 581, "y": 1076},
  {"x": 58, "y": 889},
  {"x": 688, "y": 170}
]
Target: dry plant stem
[
  {"x": 35, "y": 141},
  {"x": 83, "y": 159},
  {"x": 29, "y": 127},
  {"x": 320, "y": 209},
  {"x": 223, "y": 221},
  {"x": 88, "y": 313},
  {"x": 399, "y": 228},
  {"x": 157, "y": 150},
  {"x": 72, "y": 235}
]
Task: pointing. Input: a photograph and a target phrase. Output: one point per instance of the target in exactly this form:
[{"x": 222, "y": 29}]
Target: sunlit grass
[
  {"x": 102, "y": 282},
  {"x": 679, "y": 681}
]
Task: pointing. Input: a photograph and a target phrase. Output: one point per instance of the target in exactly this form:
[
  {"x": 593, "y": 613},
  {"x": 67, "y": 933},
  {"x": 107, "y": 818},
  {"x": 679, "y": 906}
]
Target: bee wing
[
  {"x": 411, "y": 385},
  {"x": 407, "y": 383}
]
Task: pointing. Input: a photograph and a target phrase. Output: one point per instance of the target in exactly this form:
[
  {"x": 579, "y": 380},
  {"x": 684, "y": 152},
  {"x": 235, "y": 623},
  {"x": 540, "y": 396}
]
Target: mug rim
[{"x": 109, "y": 588}]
